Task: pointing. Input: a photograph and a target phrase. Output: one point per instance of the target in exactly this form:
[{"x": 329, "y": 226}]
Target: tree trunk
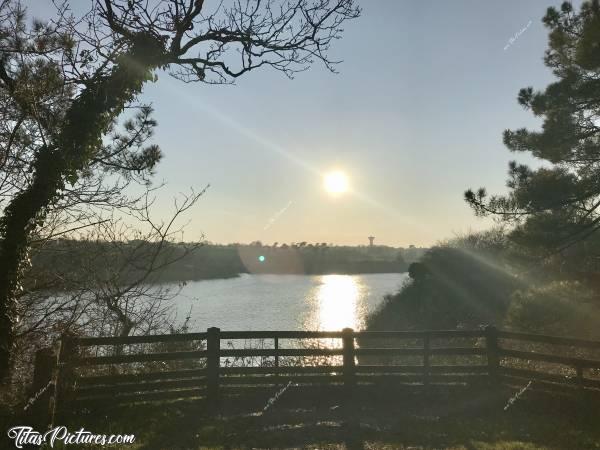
[{"x": 79, "y": 139}]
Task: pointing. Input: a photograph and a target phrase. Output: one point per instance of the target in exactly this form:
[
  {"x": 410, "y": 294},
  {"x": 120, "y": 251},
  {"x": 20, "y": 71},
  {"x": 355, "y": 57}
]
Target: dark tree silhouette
[
  {"x": 557, "y": 205},
  {"x": 102, "y": 60}
]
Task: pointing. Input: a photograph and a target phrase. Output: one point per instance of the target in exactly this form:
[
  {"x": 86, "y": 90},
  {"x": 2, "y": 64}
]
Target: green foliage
[
  {"x": 480, "y": 278},
  {"x": 463, "y": 282},
  {"x": 561, "y": 198},
  {"x": 562, "y": 308},
  {"x": 60, "y": 162},
  {"x": 418, "y": 271}
]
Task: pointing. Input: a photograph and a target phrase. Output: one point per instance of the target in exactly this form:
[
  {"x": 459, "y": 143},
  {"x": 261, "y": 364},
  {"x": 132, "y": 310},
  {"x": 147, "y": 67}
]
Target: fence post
[
  {"x": 348, "y": 355},
  {"x": 213, "y": 349},
  {"x": 426, "y": 348},
  {"x": 39, "y": 408},
  {"x": 276, "y": 348},
  {"x": 64, "y": 378},
  {"x": 492, "y": 349}
]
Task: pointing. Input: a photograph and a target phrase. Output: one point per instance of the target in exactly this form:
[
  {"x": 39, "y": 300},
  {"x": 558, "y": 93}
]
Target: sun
[{"x": 336, "y": 182}]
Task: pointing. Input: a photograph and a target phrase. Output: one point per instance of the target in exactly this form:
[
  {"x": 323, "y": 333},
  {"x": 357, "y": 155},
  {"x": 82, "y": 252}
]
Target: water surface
[{"x": 285, "y": 302}]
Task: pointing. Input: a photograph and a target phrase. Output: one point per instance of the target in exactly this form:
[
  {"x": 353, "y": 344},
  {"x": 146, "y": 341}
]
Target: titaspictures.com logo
[{"x": 24, "y": 435}]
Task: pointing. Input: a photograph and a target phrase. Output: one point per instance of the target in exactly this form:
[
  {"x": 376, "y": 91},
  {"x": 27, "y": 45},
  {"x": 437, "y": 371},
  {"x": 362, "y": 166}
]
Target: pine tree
[{"x": 556, "y": 206}]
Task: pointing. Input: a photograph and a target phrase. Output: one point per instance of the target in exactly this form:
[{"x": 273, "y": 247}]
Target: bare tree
[
  {"x": 110, "y": 286},
  {"x": 100, "y": 62}
]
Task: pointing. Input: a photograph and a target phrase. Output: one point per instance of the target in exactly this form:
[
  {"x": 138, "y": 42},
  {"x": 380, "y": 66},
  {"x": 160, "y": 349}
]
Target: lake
[{"x": 285, "y": 302}]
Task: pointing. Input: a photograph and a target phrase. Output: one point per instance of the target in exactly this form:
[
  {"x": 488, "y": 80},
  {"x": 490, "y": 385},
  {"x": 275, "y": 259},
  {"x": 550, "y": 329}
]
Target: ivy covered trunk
[{"x": 60, "y": 162}]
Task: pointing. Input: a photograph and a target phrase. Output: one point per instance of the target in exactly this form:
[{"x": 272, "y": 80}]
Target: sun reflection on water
[{"x": 337, "y": 303}]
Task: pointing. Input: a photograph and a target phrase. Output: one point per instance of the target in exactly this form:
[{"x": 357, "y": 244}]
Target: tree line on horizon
[{"x": 52, "y": 270}]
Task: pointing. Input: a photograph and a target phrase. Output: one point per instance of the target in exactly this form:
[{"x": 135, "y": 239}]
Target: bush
[
  {"x": 462, "y": 282},
  {"x": 562, "y": 308}
]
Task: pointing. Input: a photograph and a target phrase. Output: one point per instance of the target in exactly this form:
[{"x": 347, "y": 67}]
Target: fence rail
[{"x": 208, "y": 365}]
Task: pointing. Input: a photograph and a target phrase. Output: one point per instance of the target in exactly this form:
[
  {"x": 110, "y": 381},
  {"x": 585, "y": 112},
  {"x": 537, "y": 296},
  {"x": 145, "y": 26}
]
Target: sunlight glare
[
  {"x": 338, "y": 297},
  {"x": 336, "y": 182}
]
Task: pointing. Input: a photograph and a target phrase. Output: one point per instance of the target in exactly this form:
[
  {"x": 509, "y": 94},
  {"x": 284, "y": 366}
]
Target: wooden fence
[{"x": 210, "y": 365}]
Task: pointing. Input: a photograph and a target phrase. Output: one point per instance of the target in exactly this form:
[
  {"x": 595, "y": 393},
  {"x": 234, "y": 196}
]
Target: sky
[{"x": 414, "y": 117}]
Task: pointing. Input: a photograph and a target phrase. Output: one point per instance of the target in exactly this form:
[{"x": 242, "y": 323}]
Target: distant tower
[{"x": 371, "y": 239}]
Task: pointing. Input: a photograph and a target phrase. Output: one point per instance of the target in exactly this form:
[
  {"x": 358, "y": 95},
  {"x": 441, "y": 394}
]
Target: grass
[{"x": 375, "y": 420}]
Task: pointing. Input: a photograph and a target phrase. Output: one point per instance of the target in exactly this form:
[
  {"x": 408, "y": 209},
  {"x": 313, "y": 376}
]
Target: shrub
[
  {"x": 467, "y": 281},
  {"x": 563, "y": 308}
]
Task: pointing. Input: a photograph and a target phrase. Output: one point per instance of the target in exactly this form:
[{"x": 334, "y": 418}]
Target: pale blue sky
[{"x": 414, "y": 117}]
